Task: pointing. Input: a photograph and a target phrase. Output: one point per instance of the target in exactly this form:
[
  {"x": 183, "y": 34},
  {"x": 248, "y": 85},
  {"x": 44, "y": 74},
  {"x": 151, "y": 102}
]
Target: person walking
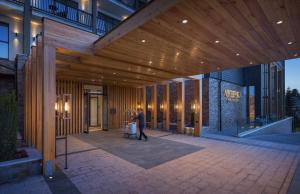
[{"x": 141, "y": 119}]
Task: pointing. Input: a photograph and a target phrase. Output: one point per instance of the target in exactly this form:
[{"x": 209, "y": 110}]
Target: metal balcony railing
[
  {"x": 61, "y": 9},
  {"x": 68, "y": 10}
]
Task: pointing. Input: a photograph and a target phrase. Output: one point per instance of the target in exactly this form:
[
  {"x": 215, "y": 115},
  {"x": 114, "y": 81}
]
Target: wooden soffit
[{"x": 218, "y": 34}]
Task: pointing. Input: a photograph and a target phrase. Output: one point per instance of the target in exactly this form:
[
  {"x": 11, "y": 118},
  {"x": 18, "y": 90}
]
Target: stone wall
[
  {"x": 233, "y": 113},
  {"x": 205, "y": 101}
]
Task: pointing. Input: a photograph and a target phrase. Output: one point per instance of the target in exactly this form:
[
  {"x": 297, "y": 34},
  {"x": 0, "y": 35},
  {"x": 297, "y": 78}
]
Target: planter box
[{"x": 14, "y": 170}]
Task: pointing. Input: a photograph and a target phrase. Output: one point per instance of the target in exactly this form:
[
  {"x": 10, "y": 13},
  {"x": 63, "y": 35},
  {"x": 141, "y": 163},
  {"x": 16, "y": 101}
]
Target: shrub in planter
[{"x": 8, "y": 126}]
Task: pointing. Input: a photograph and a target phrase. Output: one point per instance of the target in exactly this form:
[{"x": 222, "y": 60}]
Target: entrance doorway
[{"x": 95, "y": 110}]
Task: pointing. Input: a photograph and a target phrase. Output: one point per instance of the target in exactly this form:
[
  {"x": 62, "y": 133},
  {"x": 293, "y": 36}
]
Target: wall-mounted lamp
[
  {"x": 63, "y": 106},
  {"x": 149, "y": 107},
  {"x": 176, "y": 107},
  {"x": 161, "y": 107},
  {"x": 138, "y": 106},
  {"x": 193, "y": 107}
]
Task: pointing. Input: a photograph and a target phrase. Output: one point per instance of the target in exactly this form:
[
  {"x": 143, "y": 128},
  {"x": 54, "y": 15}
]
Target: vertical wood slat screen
[
  {"x": 33, "y": 99},
  {"x": 75, "y": 124},
  {"x": 121, "y": 99}
]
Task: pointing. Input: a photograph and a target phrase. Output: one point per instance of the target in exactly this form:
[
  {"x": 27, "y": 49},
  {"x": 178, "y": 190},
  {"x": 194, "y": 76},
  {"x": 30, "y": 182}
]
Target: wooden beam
[
  {"x": 49, "y": 99},
  {"x": 150, "y": 11},
  {"x": 181, "y": 107},
  {"x": 60, "y": 35},
  {"x": 198, "y": 107},
  {"x": 144, "y": 105}
]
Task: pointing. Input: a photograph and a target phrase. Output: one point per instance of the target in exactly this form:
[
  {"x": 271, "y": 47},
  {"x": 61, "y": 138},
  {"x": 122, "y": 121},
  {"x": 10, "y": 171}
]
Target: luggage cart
[{"x": 130, "y": 130}]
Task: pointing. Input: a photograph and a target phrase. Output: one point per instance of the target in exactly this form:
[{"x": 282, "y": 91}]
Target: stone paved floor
[{"x": 220, "y": 167}]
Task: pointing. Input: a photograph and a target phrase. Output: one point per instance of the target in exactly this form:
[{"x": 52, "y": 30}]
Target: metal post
[
  {"x": 94, "y": 15},
  {"x": 66, "y": 151}
]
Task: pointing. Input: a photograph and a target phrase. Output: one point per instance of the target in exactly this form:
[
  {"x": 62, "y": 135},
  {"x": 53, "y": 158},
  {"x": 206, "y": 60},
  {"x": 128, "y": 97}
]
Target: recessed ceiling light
[
  {"x": 177, "y": 53},
  {"x": 143, "y": 41},
  {"x": 296, "y": 54},
  {"x": 124, "y": 17},
  {"x": 150, "y": 62},
  {"x": 202, "y": 62},
  {"x": 153, "y": 73},
  {"x": 237, "y": 54},
  {"x": 149, "y": 69},
  {"x": 279, "y": 22},
  {"x": 184, "y": 21},
  {"x": 290, "y": 43},
  {"x": 251, "y": 63},
  {"x": 218, "y": 68},
  {"x": 114, "y": 73},
  {"x": 217, "y": 41}
]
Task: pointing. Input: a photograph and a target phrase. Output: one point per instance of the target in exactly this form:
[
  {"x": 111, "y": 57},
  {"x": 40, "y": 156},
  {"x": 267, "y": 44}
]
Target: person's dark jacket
[{"x": 140, "y": 117}]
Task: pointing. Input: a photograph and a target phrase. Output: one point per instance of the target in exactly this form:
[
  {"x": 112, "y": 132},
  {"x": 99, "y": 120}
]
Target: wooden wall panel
[
  {"x": 198, "y": 103},
  {"x": 120, "y": 100},
  {"x": 180, "y": 109},
  {"x": 73, "y": 125}
]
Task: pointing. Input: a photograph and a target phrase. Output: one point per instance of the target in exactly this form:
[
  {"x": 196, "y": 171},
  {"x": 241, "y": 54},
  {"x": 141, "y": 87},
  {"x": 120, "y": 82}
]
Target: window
[{"x": 4, "y": 40}]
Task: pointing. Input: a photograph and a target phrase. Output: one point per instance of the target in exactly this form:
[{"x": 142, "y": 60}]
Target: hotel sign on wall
[{"x": 232, "y": 95}]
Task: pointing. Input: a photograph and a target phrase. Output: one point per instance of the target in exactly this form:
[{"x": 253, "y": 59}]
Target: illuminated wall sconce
[
  {"x": 138, "y": 106},
  {"x": 176, "y": 107},
  {"x": 193, "y": 107},
  {"x": 63, "y": 106},
  {"x": 161, "y": 107},
  {"x": 149, "y": 107}
]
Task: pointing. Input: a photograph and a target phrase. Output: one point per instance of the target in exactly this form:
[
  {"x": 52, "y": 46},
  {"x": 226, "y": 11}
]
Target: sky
[{"x": 292, "y": 73}]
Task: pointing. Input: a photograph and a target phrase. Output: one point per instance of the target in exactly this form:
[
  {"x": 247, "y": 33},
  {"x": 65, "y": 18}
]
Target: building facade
[{"x": 236, "y": 100}]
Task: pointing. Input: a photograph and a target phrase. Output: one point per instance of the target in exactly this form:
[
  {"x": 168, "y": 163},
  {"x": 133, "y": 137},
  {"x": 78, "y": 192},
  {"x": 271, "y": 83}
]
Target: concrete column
[
  {"x": 94, "y": 14},
  {"x": 26, "y": 28}
]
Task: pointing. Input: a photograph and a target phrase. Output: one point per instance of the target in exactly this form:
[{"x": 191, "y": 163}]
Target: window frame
[{"x": 8, "y": 37}]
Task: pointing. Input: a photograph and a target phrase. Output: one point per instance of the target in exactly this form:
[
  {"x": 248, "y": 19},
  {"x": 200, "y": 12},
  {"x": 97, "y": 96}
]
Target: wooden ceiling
[{"x": 155, "y": 45}]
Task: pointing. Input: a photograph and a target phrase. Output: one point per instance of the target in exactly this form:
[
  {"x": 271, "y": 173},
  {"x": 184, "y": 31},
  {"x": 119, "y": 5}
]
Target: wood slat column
[
  {"x": 144, "y": 103},
  {"x": 166, "y": 104},
  {"x": 198, "y": 107},
  {"x": 154, "y": 107},
  {"x": 181, "y": 107},
  {"x": 39, "y": 96},
  {"x": 33, "y": 94},
  {"x": 49, "y": 99}
]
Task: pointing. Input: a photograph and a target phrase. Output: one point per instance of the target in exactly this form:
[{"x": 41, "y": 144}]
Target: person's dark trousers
[{"x": 142, "y": 133}]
